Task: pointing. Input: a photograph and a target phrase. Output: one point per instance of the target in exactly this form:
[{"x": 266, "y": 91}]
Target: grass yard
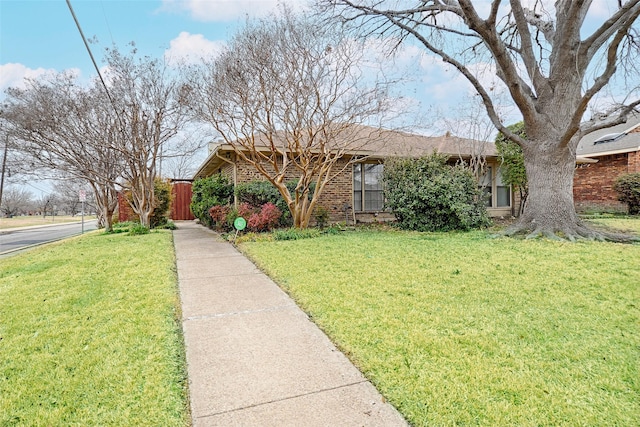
[
  {"x": 89, "y": 334},
  {"x": 461, "y": 329},
  {"x": 627, "y": 224}
]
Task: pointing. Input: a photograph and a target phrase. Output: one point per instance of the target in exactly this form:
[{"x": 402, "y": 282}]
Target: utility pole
[{"x": 4, "y": 165}]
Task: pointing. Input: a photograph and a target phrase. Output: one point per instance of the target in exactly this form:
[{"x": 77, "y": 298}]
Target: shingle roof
[
  {"x": 393, "y": 143},
  {"x": 623, "y": 138},
  {"x": 380, "y": 144}
]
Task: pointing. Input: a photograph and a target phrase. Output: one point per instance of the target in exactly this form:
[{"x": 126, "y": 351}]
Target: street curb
[
  {"x": 25, "y": 248},
  {"x": 31, "y": 227}
]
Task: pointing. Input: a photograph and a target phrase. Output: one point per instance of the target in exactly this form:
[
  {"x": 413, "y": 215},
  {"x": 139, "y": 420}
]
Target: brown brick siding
[
  {"x": 338, "y": 194},
  {"x": 593, "y": 182},
  {"x": 335, "y": 195},
  {"x": 125, "y": 211},
  {"x": 634, "y": 160}
]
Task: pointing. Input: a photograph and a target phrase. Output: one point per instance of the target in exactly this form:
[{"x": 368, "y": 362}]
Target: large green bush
[
  {"x": 427, "y": 194},
  {"x": 628, "y": 188},
  {"x": 208, "y": 192},
  {"x": 160, "y": 215},
  {"x": 258, "y": 193}
]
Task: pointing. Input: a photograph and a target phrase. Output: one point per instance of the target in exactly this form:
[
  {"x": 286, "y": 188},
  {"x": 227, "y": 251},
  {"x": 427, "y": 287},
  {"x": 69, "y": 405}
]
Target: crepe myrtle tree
[
  {"x": 63, "y": 129},
  {"x": 150, "y": 102},
  {"x": 553, "y": 61},
  {"x": 290, "y": 95}
]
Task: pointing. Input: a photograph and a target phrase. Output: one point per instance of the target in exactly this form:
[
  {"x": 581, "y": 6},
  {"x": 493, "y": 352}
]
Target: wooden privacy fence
[
  {"x": 180, "y": 210},
  {"x": 181, "y": 191}
]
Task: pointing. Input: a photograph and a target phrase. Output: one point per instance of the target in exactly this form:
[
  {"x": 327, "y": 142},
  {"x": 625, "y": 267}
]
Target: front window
[
  {"x": 497, "y": 194},
  {"x": 367, "y": 187}
]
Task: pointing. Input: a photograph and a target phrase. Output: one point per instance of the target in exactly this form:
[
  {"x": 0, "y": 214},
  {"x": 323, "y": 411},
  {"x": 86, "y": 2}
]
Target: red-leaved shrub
[
  {"x": 266, "y": 219},
  {"x": 219, "y": 215},
  {"x": 245, "y": 210}
]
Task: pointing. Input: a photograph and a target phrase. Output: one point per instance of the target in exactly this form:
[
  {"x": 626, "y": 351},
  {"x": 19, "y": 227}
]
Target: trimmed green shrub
[
  {"x": 321, "y": 215},
  {"x": 427, "y": 194},
  {"x": 137, "y": 229},
  {"x": 160, "y": 215},
  {"x": 257, "y": 193},
  {"x": 628, "y": 189},
  {"x": 208, "y": 192}
]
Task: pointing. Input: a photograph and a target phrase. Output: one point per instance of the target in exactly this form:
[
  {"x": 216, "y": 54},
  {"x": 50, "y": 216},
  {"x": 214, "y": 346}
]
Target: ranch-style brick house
[
  {"x": 602, "y": 157},
  {"x": 355, "y": 194}
]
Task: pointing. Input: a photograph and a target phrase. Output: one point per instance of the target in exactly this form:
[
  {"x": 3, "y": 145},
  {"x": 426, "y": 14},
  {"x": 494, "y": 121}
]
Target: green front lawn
[
  {"x": 461, "y": 329},
  {"x": 90, "y": 334},
  {"x": 626, "y": 224}
]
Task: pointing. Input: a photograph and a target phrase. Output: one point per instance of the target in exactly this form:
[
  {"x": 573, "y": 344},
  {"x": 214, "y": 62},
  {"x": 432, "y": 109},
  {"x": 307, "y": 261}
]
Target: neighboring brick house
[
  {"x": 355, "y": 194},
  {"x": 602, "y": 157}
]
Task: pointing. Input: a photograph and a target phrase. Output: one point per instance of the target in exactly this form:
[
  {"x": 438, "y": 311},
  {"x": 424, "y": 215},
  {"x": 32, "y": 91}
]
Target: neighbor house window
[
  {"x": 367, "y": 187},
  {"x": 497, "y": 194}
]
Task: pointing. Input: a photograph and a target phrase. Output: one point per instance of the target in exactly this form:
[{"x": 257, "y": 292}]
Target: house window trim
[
  {"x": 363, "y": 190},
  {"x": 494, "y": 189}
]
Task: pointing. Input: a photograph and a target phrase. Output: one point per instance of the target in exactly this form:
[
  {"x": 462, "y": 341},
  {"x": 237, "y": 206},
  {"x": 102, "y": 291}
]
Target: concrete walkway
[{"x": 253, "y": 357}]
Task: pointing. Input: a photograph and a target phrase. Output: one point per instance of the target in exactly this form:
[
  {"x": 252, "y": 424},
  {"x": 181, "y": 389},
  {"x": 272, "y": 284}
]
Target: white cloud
[
  {"x": 225, "y": 10},
  {"x": 14, "y": 75},
  {"x": 190, "y": 48}
]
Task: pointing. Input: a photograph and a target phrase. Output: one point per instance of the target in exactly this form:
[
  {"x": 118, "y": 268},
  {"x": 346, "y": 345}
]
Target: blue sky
[{"x": 39, "y": 35}]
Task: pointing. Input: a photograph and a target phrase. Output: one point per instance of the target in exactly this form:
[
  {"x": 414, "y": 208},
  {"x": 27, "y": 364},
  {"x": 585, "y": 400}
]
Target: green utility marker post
[{"x": 239, "y": 224}]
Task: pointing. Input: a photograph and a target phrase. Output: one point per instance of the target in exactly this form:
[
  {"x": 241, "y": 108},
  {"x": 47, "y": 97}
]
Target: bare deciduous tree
[
  {"x": 471, "y": 122},
  {"x": 67, "y": 192},
  {"x": 46, "y": 203},
  {"x": 151, "y": 102},
  {"x": 288, "y": 95},
  {"x": 110, "y": 139},
  {"x": 68, "y": 130},
  {"x": 553, "y": 62},
  {"x": 15, "y": 201}
]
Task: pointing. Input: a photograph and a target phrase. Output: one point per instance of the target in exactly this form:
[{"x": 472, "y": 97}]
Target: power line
[
  {"x": 104, "y": 13},
  {"x": 95, "y": 65}
]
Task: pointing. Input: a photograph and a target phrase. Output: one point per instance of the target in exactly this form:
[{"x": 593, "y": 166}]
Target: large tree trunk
[{"x": 549, "y": 209}]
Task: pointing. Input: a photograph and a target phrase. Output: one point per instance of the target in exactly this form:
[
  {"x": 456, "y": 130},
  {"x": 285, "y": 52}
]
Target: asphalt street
[{"x": 17, "y": 239}]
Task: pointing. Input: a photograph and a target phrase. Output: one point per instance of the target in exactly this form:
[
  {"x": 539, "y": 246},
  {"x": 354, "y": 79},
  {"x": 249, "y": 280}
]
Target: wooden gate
[{"x": 180, "y": 210}]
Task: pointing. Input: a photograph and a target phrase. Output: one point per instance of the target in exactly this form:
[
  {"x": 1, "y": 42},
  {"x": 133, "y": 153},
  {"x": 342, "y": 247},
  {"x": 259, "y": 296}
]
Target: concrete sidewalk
[{"x": 253, "y": 357}]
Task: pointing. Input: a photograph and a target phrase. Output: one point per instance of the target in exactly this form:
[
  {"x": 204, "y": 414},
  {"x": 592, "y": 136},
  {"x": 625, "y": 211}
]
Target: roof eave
[{"x": 611, "y": 152}]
